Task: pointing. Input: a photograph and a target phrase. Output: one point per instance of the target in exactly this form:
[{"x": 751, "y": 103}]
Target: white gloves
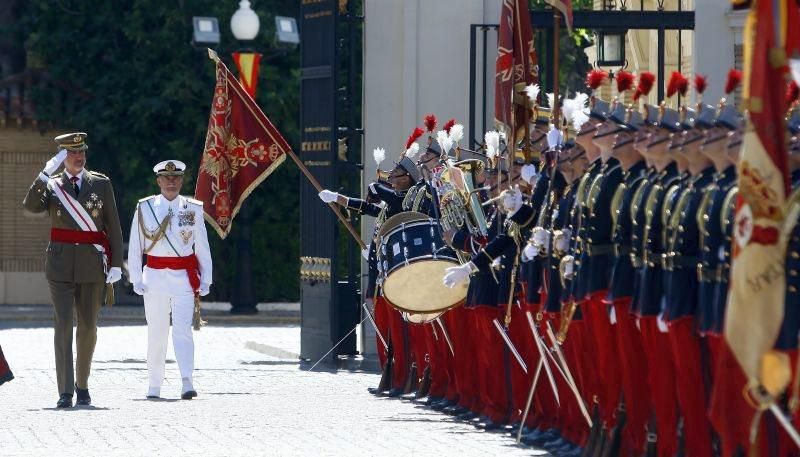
[
  {"x": 114, "y": 275},
  {"x": 554, "y": 138},
  {"x": 530, "y": 252},
  {"x": 456, "y": 275},
  {"x": 328, "y": 196},
  {"x": 52, "y": 165},
  {"x": 365, "y": 253},
  {"x": 204, "y": 289},
  {"x": 528, "y": 172},
  {"x": 662, "y": 324},
  {"x": 567, "y": 267},
  {"x": 541, "y": 238},
  {"x": 512, "y": 200},
  {"x": 140, "y": 288},
  {"x": 561, "y": 242}
]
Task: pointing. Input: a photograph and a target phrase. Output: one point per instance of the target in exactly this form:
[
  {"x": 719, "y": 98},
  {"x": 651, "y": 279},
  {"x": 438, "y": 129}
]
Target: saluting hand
[{"x": 52, "y": 165}]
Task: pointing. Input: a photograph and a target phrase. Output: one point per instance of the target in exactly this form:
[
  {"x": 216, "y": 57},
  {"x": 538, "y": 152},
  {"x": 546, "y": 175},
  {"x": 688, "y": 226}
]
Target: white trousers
[{"x": 157, "y": 309}]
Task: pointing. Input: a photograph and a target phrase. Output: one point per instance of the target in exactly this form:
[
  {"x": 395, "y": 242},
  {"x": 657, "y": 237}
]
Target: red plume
[
  {"x": 677, "y": 83},
  {"x": 414, "y": 135},
  {"x": 700, "y": 83},
  {"x": 625, "y": 80},
  {"x": 734, "y": 78},
  {"x": 430, "y": 122},
  {"x": 646, "y": 81},
  {"x": 595, "y": 78},
  {"x": 792, "y": 92},
  {"x": 448, "y": 125}
]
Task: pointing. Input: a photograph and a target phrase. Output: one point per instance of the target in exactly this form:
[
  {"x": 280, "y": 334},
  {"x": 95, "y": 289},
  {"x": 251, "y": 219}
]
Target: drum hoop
[
  {"x": 406, "y": 225},
  {"x": 438, "y": 315},
  {"x": 418, "y": 258},
  {"x": 398, "y": 219},
  {"x": 433, "y": 311}
]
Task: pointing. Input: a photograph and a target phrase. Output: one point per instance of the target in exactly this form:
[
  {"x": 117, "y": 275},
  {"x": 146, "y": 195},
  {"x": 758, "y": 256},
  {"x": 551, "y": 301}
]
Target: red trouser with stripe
[
  {"x": 437, "y": 359},
  {"x": 400, "y": 338},
  {"x": 633, "y": 372},
  {"x": 453, "y": 321},
  {"x": 419, "y": 346},
  {"x": 494, "y": 365},
  {"x": 382, "y": 317},
  {"x": 692, "y": 398},
  {"x": 520, "y": 334},
  {"x": 577, "y": 351},
  {"x": 468, "y": 366},
  {"x": 604, "y": 342},
  {"x": 661, "y": 378}
]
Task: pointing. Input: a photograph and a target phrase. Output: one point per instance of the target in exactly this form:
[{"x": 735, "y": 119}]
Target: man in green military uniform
[{"x": 83, "y": 257}]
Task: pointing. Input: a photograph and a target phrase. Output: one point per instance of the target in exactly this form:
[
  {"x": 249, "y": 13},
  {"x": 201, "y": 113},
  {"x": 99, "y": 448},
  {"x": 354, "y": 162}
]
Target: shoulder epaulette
[
  {"x": 99, "y": 175},
  {"x": 194, "y": 200},
  {"x": 146, "y": 198}
]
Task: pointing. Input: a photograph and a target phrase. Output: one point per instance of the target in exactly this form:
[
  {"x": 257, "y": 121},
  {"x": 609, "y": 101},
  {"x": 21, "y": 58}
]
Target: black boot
[
  {"x": 386, "y": 380},
  {"x": 614, "y": 443},
  {"x": 425, "y": 384},
  {"x": 594, "y": 434},
  {"x": 83, "y": 397},
  {"x": 412, "y": 382},
  {"x": 64, "y": 401}
]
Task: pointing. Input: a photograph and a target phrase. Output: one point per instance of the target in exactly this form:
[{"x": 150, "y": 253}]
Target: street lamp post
[{"x": 245, "y": 25}]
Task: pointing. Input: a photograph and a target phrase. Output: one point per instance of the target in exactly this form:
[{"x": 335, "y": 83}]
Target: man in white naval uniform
[{"x": 169, "y": 230}]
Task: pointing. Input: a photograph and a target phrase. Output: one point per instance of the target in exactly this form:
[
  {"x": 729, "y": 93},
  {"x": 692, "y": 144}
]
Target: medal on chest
[
  {"x": 185, "y": 218},
  {"x": 94, "y": 205}
]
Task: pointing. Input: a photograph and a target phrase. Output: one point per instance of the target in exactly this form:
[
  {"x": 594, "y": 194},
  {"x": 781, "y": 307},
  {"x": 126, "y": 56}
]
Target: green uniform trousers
[{"x": 85, "y": 299}]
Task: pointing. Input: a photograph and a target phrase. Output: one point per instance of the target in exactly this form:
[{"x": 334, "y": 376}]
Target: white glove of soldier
[
  {"x": 328, "y": 196},
  {"x": 365, "y": 253},
  {"x": 52, "y": 165},
  {"x": 496, "y": 263},
  {"x": 114, "y": 275},
  {"x": 541, "y": 237},
  {"x": 569, "y": 266},
  {"x": 512, "y": 200},
  {"x": 205, "y": 289},
  {"x": 530, "y": 252},
  {"x": 528, "y": 173},
  {"x": 456, "y": 275},
  {"x": 140, "y": 288},
  {"x": 662, "y": 325},
  {"x": 554, "y": 138},
  {"x": 562, "y": 242}
]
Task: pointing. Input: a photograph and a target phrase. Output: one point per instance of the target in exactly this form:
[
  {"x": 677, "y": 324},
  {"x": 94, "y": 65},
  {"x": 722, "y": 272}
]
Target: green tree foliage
[{"x": 150, "y": 93}]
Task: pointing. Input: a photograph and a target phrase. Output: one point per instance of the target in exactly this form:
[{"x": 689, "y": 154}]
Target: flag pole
[
  {"x": 556, "y": 30},
  {"x": 213, "y": 56}
]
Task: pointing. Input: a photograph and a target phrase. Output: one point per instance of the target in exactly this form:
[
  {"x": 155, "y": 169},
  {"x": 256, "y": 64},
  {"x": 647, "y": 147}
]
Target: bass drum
[
  {"x": 412, "y": 260},
  {"x": 421, "y": 318}
]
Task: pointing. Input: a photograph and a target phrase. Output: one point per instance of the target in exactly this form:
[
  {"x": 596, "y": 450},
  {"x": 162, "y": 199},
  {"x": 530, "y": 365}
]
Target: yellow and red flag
[
  {"x": 515, "y": 68},
  {"x": 242, "y": 148},
  {"x": 247, "y": 63},
  {"x": 758, "y": 282}
]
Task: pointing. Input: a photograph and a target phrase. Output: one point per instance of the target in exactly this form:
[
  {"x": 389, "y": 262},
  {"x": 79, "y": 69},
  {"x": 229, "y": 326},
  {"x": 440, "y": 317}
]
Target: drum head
[
  {"x": 400, "y": 218},
  {"x": 418, "y": 288},
  {"x": 421, "y": 318}
]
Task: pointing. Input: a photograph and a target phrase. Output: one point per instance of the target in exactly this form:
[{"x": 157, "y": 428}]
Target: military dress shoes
[
  {"x": 83, "y": 398},
  {"x": 188, "y": 395},
  {"x": 65, "y": 401}
]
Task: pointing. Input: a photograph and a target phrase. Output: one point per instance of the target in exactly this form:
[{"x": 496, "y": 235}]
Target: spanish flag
[{"x": 750, "y": 374}]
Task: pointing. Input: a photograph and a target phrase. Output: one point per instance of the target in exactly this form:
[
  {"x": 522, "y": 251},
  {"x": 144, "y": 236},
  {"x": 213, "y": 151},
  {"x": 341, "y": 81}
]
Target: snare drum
[{"x": 412, "y": 259}]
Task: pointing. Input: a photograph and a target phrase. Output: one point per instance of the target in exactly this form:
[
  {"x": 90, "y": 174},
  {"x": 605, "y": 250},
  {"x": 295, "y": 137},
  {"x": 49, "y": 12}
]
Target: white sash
[{"x": 78, "y": 214}]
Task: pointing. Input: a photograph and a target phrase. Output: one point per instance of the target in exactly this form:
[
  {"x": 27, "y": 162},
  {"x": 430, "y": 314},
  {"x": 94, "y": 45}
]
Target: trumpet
[{"x": 459, "y": 204}]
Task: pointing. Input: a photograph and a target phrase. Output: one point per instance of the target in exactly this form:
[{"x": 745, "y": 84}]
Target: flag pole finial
[{"x": 212, "y": 54}]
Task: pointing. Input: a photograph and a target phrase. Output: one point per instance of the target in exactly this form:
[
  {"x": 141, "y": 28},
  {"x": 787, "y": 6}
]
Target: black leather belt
[
  {"x": 705, "y": 274},
  {"x": 624, "y": 249},
  {"x": 599, "y": 249},
  {"x": 675, "y": 260}
]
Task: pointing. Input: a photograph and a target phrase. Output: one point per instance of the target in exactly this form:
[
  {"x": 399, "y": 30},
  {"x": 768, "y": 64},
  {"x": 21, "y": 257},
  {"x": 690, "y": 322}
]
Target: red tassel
[
  {"x": 646, "y": 81},
  {"x": 677, "y": 83},
  {"x": 625, "y": 80},
  {"x": 430, "y": 122},
  {"x": 416, "y": 134},
  {"x": 595, "y": 78},
  {"x": 734, "y": 78},
  {"x": 700, "y": 83},
  {"x": 448, "y": 125},
  {"x": 792, "y": 92}
]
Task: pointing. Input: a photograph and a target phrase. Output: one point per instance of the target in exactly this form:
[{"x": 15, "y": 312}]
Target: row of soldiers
[{"x": 602, "y": 279}]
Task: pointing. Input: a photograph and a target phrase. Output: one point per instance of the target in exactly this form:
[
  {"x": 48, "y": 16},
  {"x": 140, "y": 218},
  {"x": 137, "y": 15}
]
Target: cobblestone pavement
[{"x": 254, "y": 399}]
